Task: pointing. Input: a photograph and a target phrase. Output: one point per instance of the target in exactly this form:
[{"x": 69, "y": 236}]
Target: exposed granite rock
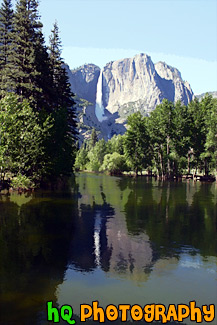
[
  {"x": 128, "y": 85},
  {"x": 137, "y": 79},
  {"x": 83, "y": 81},
  {"x": 182, "y": 89}
]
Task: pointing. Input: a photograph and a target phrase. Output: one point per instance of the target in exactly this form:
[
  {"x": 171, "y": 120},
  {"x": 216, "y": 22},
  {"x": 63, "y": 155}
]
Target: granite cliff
[{"x": 122, "y": 87}]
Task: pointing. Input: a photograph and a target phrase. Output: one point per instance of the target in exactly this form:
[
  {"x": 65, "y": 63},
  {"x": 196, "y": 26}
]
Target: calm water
[{"x": 115, "y": 240}]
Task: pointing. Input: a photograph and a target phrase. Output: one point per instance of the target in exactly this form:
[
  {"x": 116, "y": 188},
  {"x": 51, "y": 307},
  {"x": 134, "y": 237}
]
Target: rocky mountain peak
[
  {"x": 83, "y": 81},
  {"x": 124, "y": 87},
  {"x": 167, "y": 72}
]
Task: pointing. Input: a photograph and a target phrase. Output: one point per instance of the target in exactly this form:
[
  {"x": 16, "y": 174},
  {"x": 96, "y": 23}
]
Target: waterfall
[{"x": 99, "y": 108}]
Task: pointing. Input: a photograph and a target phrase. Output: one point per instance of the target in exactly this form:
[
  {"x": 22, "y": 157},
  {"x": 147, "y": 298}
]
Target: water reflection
[
  {"x": 88, "y": 247},
  {"x": 117, "y": 240},
  {"x": 35, "y": 232},
  {"x": 154, "y": 233},
  {"x": 151, "y": 220}
]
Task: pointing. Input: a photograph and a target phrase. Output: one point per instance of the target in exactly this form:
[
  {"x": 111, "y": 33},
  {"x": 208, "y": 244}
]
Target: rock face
[
  {"x": 128, "y": 85},
  {"x": 138, "y": 80},
  {"x": 84, "y": 81},
  {"x": 182, "y": 89}
]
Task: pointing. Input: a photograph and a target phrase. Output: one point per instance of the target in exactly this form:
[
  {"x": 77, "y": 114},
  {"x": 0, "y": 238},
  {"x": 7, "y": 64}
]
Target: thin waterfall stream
[{"x": 99, "y": 108}]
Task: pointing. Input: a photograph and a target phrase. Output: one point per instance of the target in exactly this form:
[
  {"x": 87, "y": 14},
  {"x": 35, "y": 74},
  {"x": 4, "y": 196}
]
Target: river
[{"x": 115, "y": 240}]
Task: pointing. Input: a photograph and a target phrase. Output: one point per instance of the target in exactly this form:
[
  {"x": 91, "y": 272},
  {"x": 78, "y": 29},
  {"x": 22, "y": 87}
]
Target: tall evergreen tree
[
  {"x": 44, "y": 84},
  {"x": 63, "y": 146},
  {"x": 93, "y": 138},
  {"x": 6, "y": 29},
  {"x": 31, "y": 69},
  {"x": 24, "y": 70},
  {"x": 62, "y": 94}
]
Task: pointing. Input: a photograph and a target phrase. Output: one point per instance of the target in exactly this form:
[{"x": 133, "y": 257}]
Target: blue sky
[{"x": 183, "y": 33}]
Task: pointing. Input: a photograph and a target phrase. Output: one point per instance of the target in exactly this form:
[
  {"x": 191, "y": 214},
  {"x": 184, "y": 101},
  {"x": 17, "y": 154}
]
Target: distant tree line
[
  {"x": 174, "y": 140},
  {"x": 37, "y": 113}
]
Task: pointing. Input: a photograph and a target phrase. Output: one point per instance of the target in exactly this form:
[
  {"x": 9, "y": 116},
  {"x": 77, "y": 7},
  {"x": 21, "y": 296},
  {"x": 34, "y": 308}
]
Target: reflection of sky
[
  {"x": 196, "y": 262},
  {"x": 171, "y": 281},
  {"x": 191, "y": 261}
]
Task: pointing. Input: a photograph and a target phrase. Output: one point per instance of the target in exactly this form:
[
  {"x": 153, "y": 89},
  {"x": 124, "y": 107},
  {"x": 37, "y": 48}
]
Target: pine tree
[
  {"x": 24, "y": 71},
  {"x": 44, "y": 97},
  {"x": 6, "y": 29},
  {"x": 63, "y": 147},
  {"x": 93, "y": 138},
  {"x": 31, "y": 69},
  {"x": 62, "y": 94}
]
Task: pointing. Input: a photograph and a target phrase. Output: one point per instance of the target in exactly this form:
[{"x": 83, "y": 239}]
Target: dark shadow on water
[{"x": 35, "y": 232}]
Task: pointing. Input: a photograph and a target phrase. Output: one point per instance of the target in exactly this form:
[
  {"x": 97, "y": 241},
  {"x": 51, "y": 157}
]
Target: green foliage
[
  {"x": 137, "y": 142},
  {"x": 6, "y": 49},
  {"x": 173, "y": 140},
  {"x": 23, "y": 138},
  {"x": 61, "y": 148},
  {"x": 211, "y": 136},
  {"x": 96, "y": 155},
  {"x": 114, "y": 163},
  {"x": 81, "y": 159},
  {"x": 93, "y": 138},
  {"x": 161, "y": 123},
  {"x": 116, "y": 144},
  {"x": 39, "y": 136},
  {"x": 22, "y": 182}
]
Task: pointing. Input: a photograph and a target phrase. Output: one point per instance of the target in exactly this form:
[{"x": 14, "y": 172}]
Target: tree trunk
[
  {"x": 189, "y": 156},
  {"x": 206, "y": 167}
]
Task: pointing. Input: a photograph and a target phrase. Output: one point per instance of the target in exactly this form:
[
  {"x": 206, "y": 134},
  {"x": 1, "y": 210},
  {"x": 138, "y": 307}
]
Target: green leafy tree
[
  {"x": 201, "y": 113},
  {"x": 114, "y": 163},
  {"x": 81, "y": 159},
  {"x": 116, "y": 144},
  {"x": 22, "y": 149},
  {"x": 137, "y": 142},
  {"x": 210, "y": 154},
  {"x": 198, "y": 131},
  {"x": 181, "y": 138},
  {"x": 96, "y": 155},
  {"x": 161, "y": 126}
]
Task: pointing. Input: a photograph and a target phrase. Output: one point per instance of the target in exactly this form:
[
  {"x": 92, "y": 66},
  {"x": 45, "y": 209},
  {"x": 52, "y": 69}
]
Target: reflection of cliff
[
  {"x": 131, "y": 255},
  {"x": 125, "y": 226},
  {"x": 101, "y": 237}
]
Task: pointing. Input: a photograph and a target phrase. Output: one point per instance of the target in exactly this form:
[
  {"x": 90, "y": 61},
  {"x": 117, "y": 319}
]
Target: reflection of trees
[
  {"x": 162, "y": 211},
  {"x": 42, "y": 236},
  {"x": 34, "y": 246}
]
